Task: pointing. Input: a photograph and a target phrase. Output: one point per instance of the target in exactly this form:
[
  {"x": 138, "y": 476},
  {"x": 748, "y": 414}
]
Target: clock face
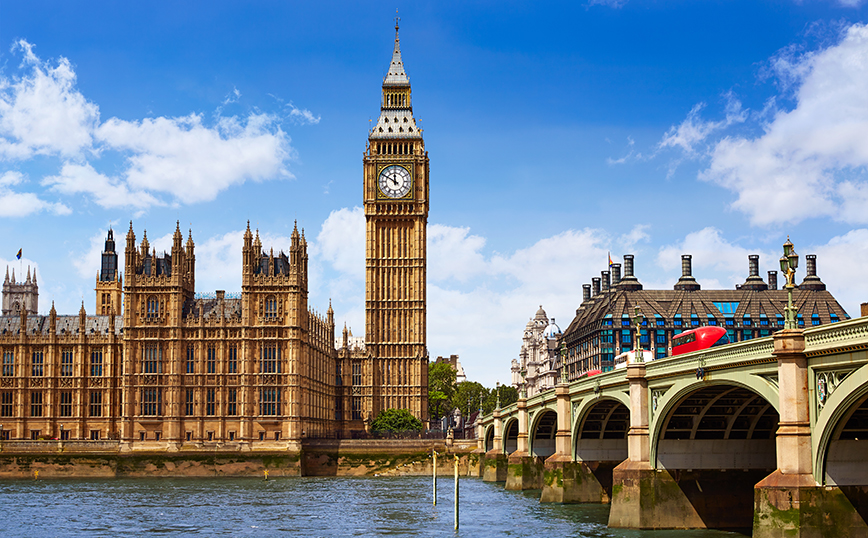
[{"x": 395, "y": 181}]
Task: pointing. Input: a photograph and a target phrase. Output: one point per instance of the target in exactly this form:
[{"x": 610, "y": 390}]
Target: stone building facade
[
  {"x": 538, "y": 365},
  {"x": 602, "y": 327},
  {"x": 160, "y": 366}
]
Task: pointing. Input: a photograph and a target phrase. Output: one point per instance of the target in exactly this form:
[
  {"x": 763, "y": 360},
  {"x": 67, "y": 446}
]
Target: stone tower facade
[
  {"x": 20, "y": 297},
  {"x": 395, "y": 375},
  {"x": 109, "y": 282}
]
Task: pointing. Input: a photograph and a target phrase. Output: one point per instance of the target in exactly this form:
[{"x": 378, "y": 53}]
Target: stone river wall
[{"x": 106, "y": 459}]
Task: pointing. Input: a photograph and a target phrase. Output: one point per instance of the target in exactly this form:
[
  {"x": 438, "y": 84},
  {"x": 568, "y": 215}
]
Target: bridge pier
[
  {"x": 494, "y": 461},
  {"x": 523, "y": 470},
  {"x": 789, "y": 502}
]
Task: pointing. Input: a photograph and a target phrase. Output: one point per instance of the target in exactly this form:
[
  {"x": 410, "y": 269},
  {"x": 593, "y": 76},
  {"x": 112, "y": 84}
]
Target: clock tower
[{"x": 396, "y": 216}]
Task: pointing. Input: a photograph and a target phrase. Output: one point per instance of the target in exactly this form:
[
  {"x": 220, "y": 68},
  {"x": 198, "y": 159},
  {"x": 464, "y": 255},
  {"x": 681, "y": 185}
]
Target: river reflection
[{"x": 309, "y": 507}]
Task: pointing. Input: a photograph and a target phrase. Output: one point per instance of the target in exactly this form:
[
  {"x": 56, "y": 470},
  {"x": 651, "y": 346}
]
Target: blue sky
[{"x": 556, "y": 132}]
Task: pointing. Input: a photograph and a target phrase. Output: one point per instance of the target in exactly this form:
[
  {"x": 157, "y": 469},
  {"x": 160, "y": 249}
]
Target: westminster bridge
[{"x": 769, "y": 434}]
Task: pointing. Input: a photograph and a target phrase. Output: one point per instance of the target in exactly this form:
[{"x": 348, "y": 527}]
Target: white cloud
[
  {"x": 341, "y": 241},
  {"x": 42, "y": 112},
  {"x": 453, "y": 254},
  {"x": 810, "y": 161},
  {"x": 638, "y": 234},
  {"x": 21, "y": 204},
  {"x": 712, "y": 253},
  {"x": 302, "y": 115},
  {"x": 840, "y": 264},
  {"x": 194, "y": 163},
  {"x": 107, "y": 192}
]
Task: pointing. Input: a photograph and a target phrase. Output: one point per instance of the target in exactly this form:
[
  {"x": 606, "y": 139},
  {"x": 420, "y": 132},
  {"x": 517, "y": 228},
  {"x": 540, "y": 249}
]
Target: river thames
[{"x": 310, "y": 507}]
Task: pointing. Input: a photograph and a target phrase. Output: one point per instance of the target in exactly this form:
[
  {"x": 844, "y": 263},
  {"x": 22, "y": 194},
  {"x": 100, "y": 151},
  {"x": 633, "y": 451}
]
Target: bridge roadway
[{"x": 771, "y": 434}]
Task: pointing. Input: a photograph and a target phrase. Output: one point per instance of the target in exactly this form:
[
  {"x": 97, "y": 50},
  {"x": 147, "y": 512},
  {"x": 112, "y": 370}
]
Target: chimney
[
  {"x": 616, "y": 274},
  {"x": 864, "y": 309},
  {"x": 754, "y": 281},
  {"x": 629, "y": 282},
  {"x": 595, "y": 284},
  {"x": 605, "y": 278},
  {"x": 687, "y": 282},
  {"x": 221, "y": 294},
  {"x": 812, "y": 281},
  {"x": 586, "y": 292},
  {"x": 773, "y": 280}
]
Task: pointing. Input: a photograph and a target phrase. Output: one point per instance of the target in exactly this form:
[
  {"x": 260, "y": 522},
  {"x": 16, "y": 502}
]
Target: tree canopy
[
  {"x": 396, "y": 420},
  {"x": 441, "y": 388}
]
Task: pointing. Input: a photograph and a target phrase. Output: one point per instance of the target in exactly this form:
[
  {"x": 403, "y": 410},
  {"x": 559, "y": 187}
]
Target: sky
[{"x": 557, "y": 133}]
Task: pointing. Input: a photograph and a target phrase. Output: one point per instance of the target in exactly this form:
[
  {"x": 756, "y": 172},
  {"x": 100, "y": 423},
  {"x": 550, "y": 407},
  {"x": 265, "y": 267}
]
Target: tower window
[
  {"x": 270, "y": 307},
  {"x": 96, "y": 404},
  {"x": 152, "y": 402},
  {"x": 66, "y": 404},
  {"x": 35, "y": 404},
  {"x": 153, "y": 306},
  {"x": 269, "y": 360},
  {"x": 232, "y": 364},
  {"x": 66, "y": 363},
  {"x": 210, "y": 402},
  {"x": 191, "y": 359},
  {"x": 152, "y": 360},
  {"x": 269, "y": 401},
  {"x": 211, "y": 362},
  {"x": 8, "y": 363},
  {"x": 37, "y": 364},
  {"x": 96, "y": 363}
]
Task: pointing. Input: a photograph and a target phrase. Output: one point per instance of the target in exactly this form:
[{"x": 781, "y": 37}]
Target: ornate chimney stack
[
  {"x": 687, "y": 282},
  {"x": 773, "y": 280},
  {"x": 604, "y": 277},
  {"x": 754, "y": 281},
  {"x": 595, "y": 284},
  {"x": 812, "y": 281},
  {"x": 616, "y": 274},
  {"x": 586, "y": 293},
  {"x": 629, "y": 282}
]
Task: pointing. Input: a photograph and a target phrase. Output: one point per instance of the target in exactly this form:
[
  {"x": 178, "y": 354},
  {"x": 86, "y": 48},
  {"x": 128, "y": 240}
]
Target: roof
[
  {"x": 66, "y": 325},
  {"x": 396, "y": 76}
]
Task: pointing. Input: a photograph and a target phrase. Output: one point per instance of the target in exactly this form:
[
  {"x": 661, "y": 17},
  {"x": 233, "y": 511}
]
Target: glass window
[
  {"x": 152, "y": 402},
  {"x": 270, "y": 307},
  {"x": 726, "y": 307},
  {"x": 211, "y": 360},
  {"x": 8, "y": 363},
  {"x": 36, "y": 404},
  {"x": 189, "y": 404},
  {"x": 269, "y": 401},
  {"x": 694, "y": 320},
  {"x": 153, "y": 307},
  {"x": 66, "y": 363},
  {"x": 746, "y": 321},
  {"x": 780, "y": 320},
  {"x": 210, "y": 402},
  {"x": 729, "y": 322},
  {"x": 191, "y": 359},
  {"x": 6, "y": 403},
  {"x": 269, "y": 359},
  {"x": 232, "y": 402},
  {"x": 357, "y": 373},
  {"x": 37, "y": 364},
  {"x": 815, "y": 319},
  {"x": 66, "y": 404},
  {"x": 677, "y": 320},
  {"x": 833, "y": 317},
  {"x": 152, "y": 359},
  {"x": 96, "y": 404},
  {"x": 96, "y": 363},
  {"x": 232, "y": 363}
]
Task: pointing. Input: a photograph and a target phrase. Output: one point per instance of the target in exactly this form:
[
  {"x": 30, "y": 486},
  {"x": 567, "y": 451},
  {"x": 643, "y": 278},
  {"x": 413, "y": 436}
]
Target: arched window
[
  {"x": 270, "y": 307},
  {"x": 153, "y": 307}
]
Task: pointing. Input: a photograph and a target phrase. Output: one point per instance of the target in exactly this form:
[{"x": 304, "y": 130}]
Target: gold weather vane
[{"x": 397, "y": 20}]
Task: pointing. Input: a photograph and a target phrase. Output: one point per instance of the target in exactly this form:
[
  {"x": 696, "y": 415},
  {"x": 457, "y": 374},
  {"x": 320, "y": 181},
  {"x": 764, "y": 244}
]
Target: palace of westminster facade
[{"x": 158, "y": 365}]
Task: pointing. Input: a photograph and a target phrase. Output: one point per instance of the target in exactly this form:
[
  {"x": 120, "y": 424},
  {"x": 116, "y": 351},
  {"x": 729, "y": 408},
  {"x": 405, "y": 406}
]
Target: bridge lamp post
[
  {"x": 637, "y": 349},
  {"x": 497, "y": 406},
  {"x": 789, "y": 264}
]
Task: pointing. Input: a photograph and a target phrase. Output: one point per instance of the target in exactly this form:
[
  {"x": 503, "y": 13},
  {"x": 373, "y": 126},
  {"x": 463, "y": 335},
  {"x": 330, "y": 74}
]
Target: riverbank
[{"x": 315, "y": 457}]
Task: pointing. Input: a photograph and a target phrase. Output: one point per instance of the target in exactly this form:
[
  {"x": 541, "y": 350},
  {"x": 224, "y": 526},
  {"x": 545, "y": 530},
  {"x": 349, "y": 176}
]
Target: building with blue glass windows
[{"x": 603, "y": 326}]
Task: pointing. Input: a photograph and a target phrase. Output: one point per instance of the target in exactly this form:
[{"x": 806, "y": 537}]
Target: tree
[
  {"x": 396, "y": 420},
  {"x": 441, "y": 388},
  {"x": 508, "y": 396},
  {"x": 467, "y": 397}
]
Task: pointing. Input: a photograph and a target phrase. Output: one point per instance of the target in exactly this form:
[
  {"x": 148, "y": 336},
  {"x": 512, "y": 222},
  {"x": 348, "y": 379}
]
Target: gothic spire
[{"x": 396, "y": 75}]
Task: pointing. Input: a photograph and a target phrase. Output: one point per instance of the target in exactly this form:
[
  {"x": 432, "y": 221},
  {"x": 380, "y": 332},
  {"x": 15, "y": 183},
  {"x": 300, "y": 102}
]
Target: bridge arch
[
  {"x": 600, "y": 429},
  {"x": 677, "y": 393},
  {"x": 715, "y": 441},
  {"x": 542, "y": 433},
  {"x": 510, "y": 435},
  {"x": 838, "y": 460},
  {"x": 488, "y": 443}
]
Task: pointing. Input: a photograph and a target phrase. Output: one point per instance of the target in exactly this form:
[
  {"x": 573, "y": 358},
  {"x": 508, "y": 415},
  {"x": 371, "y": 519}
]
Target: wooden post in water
[
  {"x": 456, "y": 492},
  {"x": 435, "y": 476}
]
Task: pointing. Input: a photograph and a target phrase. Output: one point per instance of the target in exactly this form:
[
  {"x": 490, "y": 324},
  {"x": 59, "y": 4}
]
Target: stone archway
[
  {"x": 846, "y": 464},
  {"x": 510, "y": 436},
  {"x": 489, "y": 438},
  {"x": 715, "y": 443},
  {"x": 542, "y": 441},
  {"x": 600, "y": 445}
]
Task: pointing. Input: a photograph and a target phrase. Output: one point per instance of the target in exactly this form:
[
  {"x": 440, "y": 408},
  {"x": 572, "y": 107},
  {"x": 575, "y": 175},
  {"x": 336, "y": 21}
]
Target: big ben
[{"x": 396, "y": 215}]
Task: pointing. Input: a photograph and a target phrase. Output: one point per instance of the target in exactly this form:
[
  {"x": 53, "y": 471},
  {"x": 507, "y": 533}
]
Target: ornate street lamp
[
  {"x": 523, "y": 373},
  {"x": 498, "y": 396},
  {"x": 637, "y": 349},
  {"x": 789, "y": 263}
]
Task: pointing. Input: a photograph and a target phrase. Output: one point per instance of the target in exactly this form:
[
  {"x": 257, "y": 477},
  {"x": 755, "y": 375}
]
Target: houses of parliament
[{"x": 158, "y": 365}]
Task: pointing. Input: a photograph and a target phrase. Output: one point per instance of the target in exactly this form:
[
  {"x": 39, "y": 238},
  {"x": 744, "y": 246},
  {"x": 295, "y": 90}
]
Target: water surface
[{"x": 309, "y": 507}]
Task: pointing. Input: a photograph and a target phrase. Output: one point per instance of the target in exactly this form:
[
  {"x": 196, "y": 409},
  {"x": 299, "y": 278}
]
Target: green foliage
[
  {"x": 441, "y": 388},
  {"x": 508, "y": 395},
  {"x": 467, "y": 397},
  {"x": 396, "y": 420}
]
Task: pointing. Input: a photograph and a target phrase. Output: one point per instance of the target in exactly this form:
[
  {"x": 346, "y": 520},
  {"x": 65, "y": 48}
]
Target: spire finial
[{"x": 397, "y": 23}]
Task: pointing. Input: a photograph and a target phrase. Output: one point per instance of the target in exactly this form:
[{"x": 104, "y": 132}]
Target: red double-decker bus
[{"x": 696, "y": 339}]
